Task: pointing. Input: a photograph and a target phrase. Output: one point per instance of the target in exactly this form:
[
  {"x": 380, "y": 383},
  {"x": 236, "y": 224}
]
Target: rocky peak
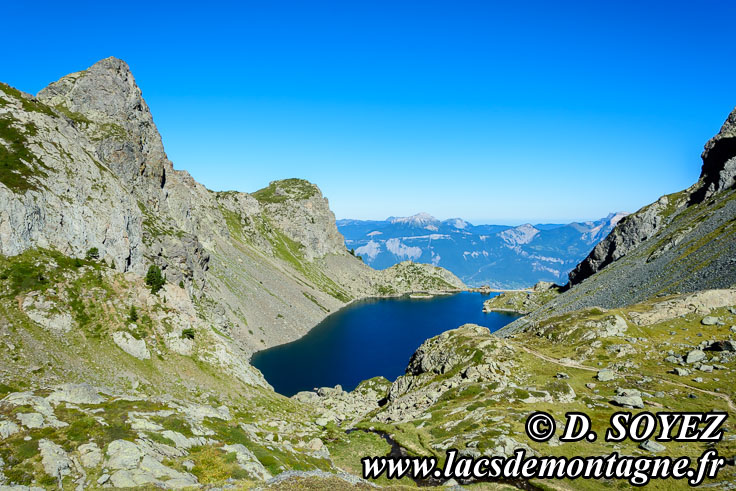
[
  {"x": 105, "y": 102},
  {"x": 523, "y": 234},
  {"x": 422, "y": 220},
  {"x": 298, "y": 208},
  {"x": 719, "y": 159}
]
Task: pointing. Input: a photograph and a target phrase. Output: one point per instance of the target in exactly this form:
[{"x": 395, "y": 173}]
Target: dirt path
[{"x": 572, "y": 364}]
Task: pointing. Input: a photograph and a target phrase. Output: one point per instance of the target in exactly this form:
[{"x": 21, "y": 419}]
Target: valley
[
  {"x": 501, "y": 256},
  {"x": 133, "y": 300}
]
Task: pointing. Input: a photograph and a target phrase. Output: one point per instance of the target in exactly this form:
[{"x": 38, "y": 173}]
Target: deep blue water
[{"x": 369, "y": 338}]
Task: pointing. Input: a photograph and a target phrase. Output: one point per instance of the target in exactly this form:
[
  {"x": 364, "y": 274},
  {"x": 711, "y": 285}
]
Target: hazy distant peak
[
  {"x": 458, "y": 223},
  {"x": 523, "y": 234},
  {"x": 418, "y": 220}
]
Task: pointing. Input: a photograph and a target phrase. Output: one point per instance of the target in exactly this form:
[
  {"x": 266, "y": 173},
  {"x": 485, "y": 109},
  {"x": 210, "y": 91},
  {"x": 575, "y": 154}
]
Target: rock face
[
  {"x": 629, "y": 233},
  {"x": 111, "y": 107},
  {"x": 719, "y": 159},
  {"x": 90, "y": 171}
]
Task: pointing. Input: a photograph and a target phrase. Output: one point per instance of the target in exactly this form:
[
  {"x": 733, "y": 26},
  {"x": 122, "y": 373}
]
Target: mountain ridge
[{"x": 502, "y": 256}]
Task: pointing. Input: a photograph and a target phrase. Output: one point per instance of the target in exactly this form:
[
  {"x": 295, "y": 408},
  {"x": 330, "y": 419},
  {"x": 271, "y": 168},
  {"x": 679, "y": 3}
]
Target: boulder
[
  {"x": 134, "y": 347},
  {"x": 652, "y": 447},
  {"x": 727, "y": 345},
  {"x": 695, "y": 356},
  {"x": 31, "y": 420},
  {"x": 54, "y": 459},
  {"x": 122, "y": 454},
  {"x": 90, "y": 455},
  {"x": 628, "y": 401},
  {"x": 605, "y": 375}
]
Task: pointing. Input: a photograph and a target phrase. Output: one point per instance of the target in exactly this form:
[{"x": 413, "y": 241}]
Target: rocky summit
[{"x": 132, "y": 297}]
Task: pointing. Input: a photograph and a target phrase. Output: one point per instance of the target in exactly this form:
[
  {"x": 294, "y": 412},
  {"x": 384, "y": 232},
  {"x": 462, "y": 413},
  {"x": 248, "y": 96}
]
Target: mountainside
[
  {"x": 84, "y": 173},
  {"x": 683, "y": 242},
  {"x": 496, "y": 255},
  {"x": 127, "y": 276},
  {"x": 86, "y": 168}
]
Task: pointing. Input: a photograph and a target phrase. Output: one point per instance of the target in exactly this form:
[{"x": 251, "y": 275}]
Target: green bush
[
  {"x": 187, "y": 333},
  {"x": 133, "y": 314},
  {"x": 155, "y": 279},
  {"x": 93, "y": 254}
]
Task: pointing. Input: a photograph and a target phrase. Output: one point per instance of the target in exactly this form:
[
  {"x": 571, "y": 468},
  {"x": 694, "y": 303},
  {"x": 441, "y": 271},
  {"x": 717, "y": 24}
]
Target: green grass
[
  {"x": 213, "y": 465},
  {"x": 31, "y": 105},
  {"x": 78, "y": 118},
  {"x": 37, "y": 269},
  {"x": 18, "y": 166},
  {"x": 315, "y": 301},
  {"x": 285, "y": 190}
]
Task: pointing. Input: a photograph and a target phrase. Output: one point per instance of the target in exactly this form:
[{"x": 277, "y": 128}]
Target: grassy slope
[{"x": 480, "y": 412}]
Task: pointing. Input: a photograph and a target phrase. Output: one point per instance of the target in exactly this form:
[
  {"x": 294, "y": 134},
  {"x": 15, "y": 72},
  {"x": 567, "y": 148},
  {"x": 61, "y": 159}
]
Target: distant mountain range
[{"x": 498, "y": 255}]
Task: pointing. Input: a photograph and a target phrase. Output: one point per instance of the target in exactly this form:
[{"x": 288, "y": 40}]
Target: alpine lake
[{"x": 368, "y": 338}]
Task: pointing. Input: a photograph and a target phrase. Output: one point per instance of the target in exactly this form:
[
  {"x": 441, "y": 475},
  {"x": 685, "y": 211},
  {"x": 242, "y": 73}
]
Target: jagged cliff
[{"x": 684, "y": 242}]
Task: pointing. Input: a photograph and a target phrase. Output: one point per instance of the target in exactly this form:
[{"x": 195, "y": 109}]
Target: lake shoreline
[
  {"x": 376, "y": 336},
  {"x": 426, "y": 294}
]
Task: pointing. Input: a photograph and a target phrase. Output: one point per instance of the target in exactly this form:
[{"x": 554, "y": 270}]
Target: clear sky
[{"x": 497, "y": 112}]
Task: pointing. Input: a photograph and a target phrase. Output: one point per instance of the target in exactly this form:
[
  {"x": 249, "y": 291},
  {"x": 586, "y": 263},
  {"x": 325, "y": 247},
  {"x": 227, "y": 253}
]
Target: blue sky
[{"x": 494, "y": 112}]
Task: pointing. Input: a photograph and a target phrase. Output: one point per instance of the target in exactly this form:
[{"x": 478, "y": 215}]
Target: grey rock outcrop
[
  {"x": 54, "y": 459},
  {"x": 134, "y": 347},
  {"x": 719, "y": 159},
  {"x": 631, "y": 231},
  {"x": 76, "y": 394}
]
